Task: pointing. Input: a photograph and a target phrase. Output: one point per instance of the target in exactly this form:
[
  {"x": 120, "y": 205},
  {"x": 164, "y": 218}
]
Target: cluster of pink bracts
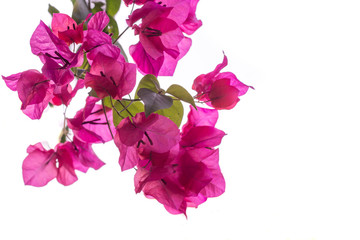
[{"x": 179, "y": 169}]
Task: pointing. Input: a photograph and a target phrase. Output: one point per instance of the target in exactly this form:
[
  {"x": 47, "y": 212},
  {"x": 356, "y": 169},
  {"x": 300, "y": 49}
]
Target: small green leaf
[
  {"x": 97, "y": 7},
  {"x": 181, "y": 93},
  {"x": 175, "y": 113},
  {"x": 154, "y": 101},
  {"x": 80, "y": 11},
  {"x": 132, "y": 107},
  {"x": 52, "y": 9},
  {"x": 112, "y": 27},
  {"x": 92, "y": 93},
  {"x": 150, "y": 82},
  {"x": 112, "y": 7}
]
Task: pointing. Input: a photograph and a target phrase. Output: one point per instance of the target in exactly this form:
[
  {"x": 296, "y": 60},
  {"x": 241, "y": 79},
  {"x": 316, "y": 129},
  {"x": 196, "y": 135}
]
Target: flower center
[{"x": 151, "y": 32}]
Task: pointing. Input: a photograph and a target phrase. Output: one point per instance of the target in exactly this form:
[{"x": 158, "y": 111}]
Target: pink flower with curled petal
[
  {"x": 66, "y": 29},
  {"x": 108, "y": 76},
  {"x": 162, "y": 43},
  {"x": 219, "y": 90},
  {"x": 44, "y": 42},
  {"x": 90, "y": 125},
  {"x": 34, "y": 89},
  {"x": 155, "y": 133}
]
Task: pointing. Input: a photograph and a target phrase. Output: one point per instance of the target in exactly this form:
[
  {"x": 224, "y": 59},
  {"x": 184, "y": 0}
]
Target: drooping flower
[
  {"x": 162, "y": 43},
  {"x": 34, "y": 89},
  {"x": 90, "y": 124},
  {"x": 41, "y": 165},
  {"x": 219, "y": 90},
  {"x": 189, "y": 173},
  {"x": 154, "y": 133},
  {"x": 180, "y": 179},
  {"x": 108, "y": 76}
]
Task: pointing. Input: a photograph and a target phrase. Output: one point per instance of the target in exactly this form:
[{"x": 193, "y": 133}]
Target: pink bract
[
  {"x": 219, "y": 90},
  {"x": 108, "y": 76},
  {"x": 89, "y": 124},
  {"x": 155, "y": 133},
  {"x": 40, "y": 166},
  {"x": 66, "y": 29},
  {"x": 162, "y": 43},
  {"x": 34, "y": 89}
]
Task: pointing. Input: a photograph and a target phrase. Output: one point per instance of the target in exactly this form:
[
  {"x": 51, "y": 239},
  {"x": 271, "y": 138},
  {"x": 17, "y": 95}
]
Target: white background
[{"x": 290, "y": 159}]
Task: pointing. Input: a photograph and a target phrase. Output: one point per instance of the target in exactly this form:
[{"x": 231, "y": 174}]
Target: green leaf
[
  {"x": 112, "y": 7},
  {"x": 150, "y": 82},
  {"x": 181, "y": 93},
  {"x": 80, "y": 11},
  {"x": 154, "y": 101},
  {"x": 132, "y": 107},
  {"x": 52, "y": 9},
  {"x": 175, "y": 113},
  {"x": 97, "y": 7},
  {"x": 112, "y": 27}
]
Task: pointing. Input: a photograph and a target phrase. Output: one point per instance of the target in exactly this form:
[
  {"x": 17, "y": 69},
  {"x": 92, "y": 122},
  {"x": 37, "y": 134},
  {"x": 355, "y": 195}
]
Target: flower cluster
[{"x": 176, "y": 164}]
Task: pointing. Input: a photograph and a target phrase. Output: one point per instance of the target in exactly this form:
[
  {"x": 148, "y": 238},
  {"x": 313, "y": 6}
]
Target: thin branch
[{"x": 107, "y": 120}]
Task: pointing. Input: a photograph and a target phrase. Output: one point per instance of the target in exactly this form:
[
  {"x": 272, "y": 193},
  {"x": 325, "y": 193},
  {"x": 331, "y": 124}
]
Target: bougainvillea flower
[
  {"x": 179, "y": 181},
  {"x": 108, "y": 76},
  {"x": 65, "y": 93},
  {"x": 183, "y": 13},
  {"x": 200, "y": 117},
  {"x": 219, "y": 90},
  {"x": 99, "y": 42},
  {"x": 41, "y": 165},
  {"x": 155, "y": 133},
  {"x": 43, "y": 43},
  {"x": 99, "y": 21},
  {"x": 90, "y": 124},
  {"x": 162, "y": 42},
  {"x": 65, "y": 28},
  {"x": 59, "y": 75},
  {"x": 34, "y": 89}
]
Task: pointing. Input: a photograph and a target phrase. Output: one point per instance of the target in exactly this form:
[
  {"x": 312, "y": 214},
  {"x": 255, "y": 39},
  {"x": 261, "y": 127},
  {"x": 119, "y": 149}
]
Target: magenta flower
[
  {"x": 66, "y": 29},
  {"x": 96, "y": 41},
  {"x": 162, "y": 43},
  {"x": 189, "y": 173},
  {"x": 34, "y": 89},
  {"x": 219, "y": 90},
  {"x": 183, "y": 13},
  {"x": 155, "y": 133},
  {"x": 41, "y": 166},
  {"x": 108, "y": 76},
  {"x": 44, "y": 43},
  {"x": 90, "y": 125},
  {"x": 180, "y": 179}
]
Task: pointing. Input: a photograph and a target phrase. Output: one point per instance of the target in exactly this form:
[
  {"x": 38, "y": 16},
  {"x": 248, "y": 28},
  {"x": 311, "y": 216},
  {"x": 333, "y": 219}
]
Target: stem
[
  {"x": 120, "y": 34},
  {"x": 107, "y": 120},
  {"x": 125, "y": 108},
  {"x": 131, "y": 100}
]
